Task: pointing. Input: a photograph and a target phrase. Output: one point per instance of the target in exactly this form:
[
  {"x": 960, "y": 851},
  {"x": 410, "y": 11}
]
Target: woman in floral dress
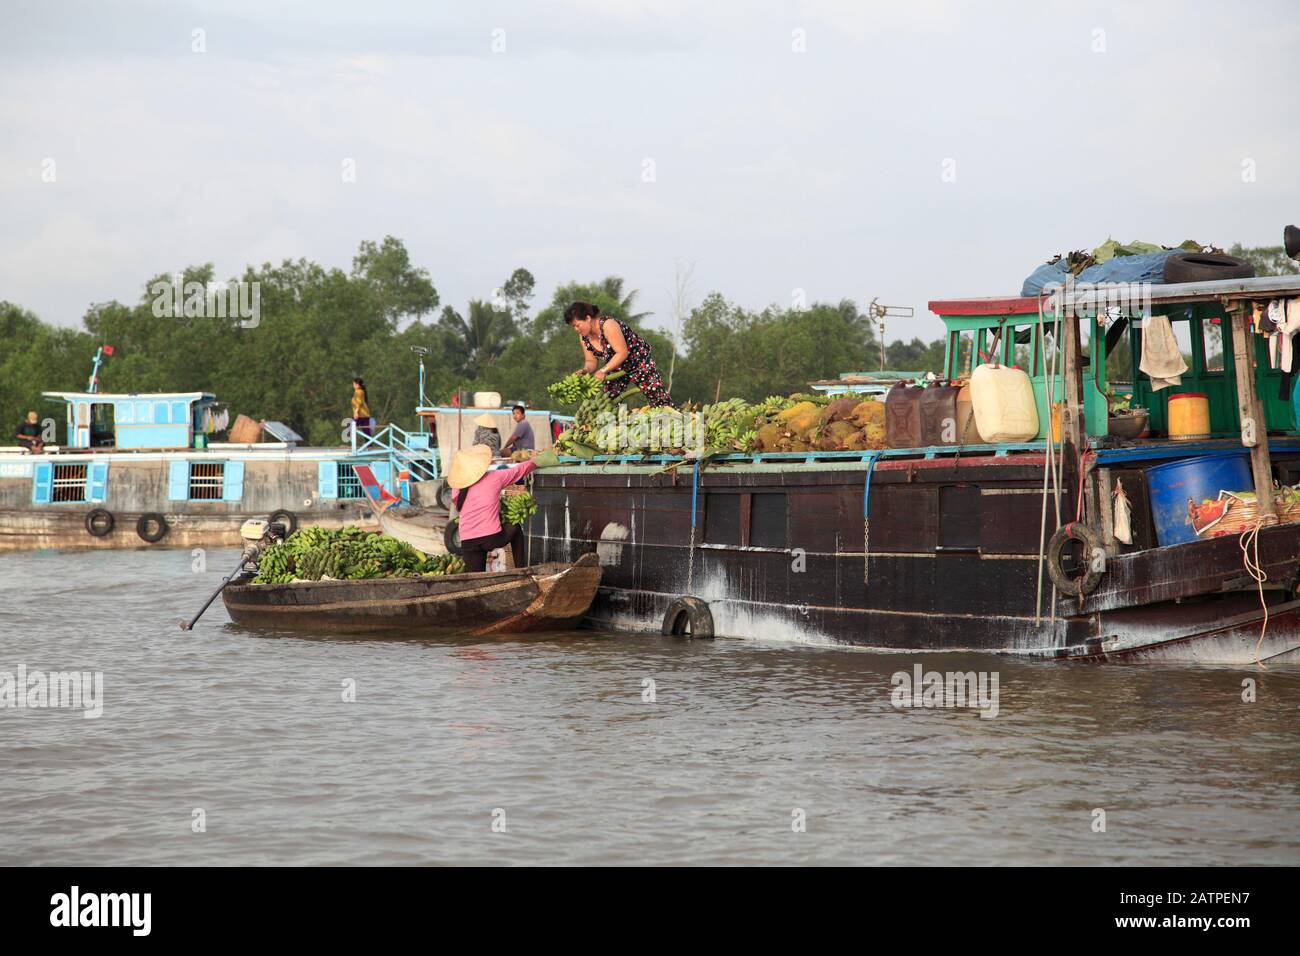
[{"x": 609, "y": 345}]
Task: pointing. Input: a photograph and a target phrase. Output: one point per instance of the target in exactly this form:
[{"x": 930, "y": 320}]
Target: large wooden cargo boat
[{"x": 950, "y": 546}]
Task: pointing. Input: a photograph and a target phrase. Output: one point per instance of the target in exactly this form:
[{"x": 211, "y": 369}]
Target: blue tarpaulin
[{"x": 1147, "y": 268}]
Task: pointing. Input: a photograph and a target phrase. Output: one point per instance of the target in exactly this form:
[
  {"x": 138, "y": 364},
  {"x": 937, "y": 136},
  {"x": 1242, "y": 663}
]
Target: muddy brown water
[{"x": 551, "y": 751}]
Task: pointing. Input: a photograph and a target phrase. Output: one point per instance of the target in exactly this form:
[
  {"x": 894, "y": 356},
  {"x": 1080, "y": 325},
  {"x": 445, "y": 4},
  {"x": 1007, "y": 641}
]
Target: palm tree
[
  {"x": 478, "y": 341},
  {"x": 612, "y": 286}
]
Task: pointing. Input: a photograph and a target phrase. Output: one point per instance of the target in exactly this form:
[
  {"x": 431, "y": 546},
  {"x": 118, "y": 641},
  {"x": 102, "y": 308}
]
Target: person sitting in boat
[
  {"x": 521, "y": 439},
  {"x": 610, "y": 345},
  {"x": 485, "y": 433},
  {"x": 29, "y": 434},
  {"x": 478, "y": 503}
]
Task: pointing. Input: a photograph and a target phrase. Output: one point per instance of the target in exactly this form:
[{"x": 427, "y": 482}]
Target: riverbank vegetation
[{"x": 316, "y": 328}]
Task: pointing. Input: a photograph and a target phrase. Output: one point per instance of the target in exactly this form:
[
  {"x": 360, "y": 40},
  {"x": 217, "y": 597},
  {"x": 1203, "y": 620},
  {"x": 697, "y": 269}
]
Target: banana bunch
[
  {"x": 443, "y": 564},
  {"x": 307, "y": 539},
  {"x": 573, "y": 388},
  {"x": 275, "y": 565},
  {"x": 773, "y": 404},
  {"x": 516, "y": 509},
  {"x": 319, "y": 563},
  {"x": 729, "y": 425}
]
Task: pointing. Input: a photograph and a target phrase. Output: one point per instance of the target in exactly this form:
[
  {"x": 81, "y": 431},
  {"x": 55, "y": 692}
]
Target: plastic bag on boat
[{"x": 1123, "y": 515}]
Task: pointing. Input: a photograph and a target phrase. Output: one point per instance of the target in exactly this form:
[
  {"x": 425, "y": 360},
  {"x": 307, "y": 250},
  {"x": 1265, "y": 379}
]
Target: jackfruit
[
  {"x": 834, "y": 435},
  {"x": 868, "y": 413},
  {"x": 800, "y": 418}
]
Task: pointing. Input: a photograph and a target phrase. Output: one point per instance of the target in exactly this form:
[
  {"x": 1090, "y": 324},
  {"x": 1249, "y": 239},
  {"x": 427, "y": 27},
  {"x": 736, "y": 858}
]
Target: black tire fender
[
  {"x": 286, "y": 518},
  {"x": 99, "y": 522},
  {"x": 688, "y": 617},
  {"x": 442, "y": 497},
  {"x": 451, "y": 537},
  {"x": 1061, "y": 539},
  {"x": 1205, "y": 267},
  {"x": 159, "y": 527}
]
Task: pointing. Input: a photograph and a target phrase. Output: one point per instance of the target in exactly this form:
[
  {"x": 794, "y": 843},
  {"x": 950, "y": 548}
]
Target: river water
[{"x": 224, "y": 746}]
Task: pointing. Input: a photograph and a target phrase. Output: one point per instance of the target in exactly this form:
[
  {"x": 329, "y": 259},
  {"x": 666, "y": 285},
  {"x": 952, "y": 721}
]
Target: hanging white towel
[{"x": 1162, "y": 359}]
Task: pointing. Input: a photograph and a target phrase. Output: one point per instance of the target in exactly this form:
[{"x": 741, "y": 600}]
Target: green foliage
[
  {"x": 735, "y": 352},
  {"x": 321, "y": 327},
  {"x": 476, "y": 342},
  {"x": 1267, "y": 260}
]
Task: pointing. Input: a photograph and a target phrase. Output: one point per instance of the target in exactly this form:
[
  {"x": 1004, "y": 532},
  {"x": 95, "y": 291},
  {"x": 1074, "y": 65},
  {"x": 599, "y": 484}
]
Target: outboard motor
[{"x": 258, "y": 534}]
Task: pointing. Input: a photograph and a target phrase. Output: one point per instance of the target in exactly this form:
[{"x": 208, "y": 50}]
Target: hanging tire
[
  {"x": 688, "y": 617},
  {"x": 451, "y": 537},
  {"x": 442, "y": 497},
  {"x": 286, "y": 518},
  {"x": 151, "y": 527},
  {"x": 1205, "y": 267},
  {"x": 99, "y": 522},
  {"x": 1073, "y": 582}
]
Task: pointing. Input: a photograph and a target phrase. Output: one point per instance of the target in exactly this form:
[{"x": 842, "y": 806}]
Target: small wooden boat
[{"x": 546, "y": 597}]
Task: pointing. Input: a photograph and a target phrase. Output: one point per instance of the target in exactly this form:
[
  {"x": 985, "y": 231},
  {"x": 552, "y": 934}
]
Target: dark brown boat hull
[{"x": 952, "y": 563}]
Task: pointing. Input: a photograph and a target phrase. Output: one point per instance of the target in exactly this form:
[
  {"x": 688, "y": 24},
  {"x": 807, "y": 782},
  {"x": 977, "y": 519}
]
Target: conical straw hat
[{"x": 469, "y": 465}]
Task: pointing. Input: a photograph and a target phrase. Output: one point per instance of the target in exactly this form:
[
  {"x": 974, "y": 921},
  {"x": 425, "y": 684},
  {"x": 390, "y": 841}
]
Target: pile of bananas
[
  {"x": 518, "y": 508},
  {"x": 349, "y": 554}
]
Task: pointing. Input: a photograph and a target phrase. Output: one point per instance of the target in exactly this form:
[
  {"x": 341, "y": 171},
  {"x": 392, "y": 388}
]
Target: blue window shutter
[
  {"x": 327, "y": 474},
  {"x": 97, "y": 481},
  {"x": 42, "y": 482},
  {"x": 178, "y": 481},
  {"x": 383, "y": 472},
  {"x": 232, "y": 485}
]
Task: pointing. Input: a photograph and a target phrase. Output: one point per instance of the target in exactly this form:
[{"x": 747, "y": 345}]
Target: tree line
[{"x": 318, "y": 328}]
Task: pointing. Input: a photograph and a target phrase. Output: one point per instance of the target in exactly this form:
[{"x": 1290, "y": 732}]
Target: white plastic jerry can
[{"x": 1003, "y": 398}]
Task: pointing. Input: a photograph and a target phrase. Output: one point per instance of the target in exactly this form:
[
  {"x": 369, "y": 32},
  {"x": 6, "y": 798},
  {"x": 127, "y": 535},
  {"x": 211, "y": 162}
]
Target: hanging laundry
[
  {"x": 1287, "y": 330},
  {"x": 1162, "y": 359}
]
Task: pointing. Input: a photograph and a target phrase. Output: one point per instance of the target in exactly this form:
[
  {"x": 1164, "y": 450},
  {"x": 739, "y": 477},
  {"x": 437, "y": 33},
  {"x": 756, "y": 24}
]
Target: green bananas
[
  {"x": 348, "y": 554},
  {"x": 573, "y": 388},
  {"x": 516, "y": 509}
]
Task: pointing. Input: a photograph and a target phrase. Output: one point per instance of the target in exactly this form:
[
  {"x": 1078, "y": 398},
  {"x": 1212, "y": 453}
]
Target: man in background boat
[
  {"x": 521, "y": 439},
  {"x": 29, "y": 434},
  {"x": 478, "y": 503}
]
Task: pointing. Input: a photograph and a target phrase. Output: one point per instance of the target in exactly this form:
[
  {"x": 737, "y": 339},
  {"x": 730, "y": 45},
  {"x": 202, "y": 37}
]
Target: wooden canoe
[{"x": 546, "y": 597}]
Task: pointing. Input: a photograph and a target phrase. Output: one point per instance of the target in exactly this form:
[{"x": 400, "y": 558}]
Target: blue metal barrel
[{"x": 1172, "y": 484}]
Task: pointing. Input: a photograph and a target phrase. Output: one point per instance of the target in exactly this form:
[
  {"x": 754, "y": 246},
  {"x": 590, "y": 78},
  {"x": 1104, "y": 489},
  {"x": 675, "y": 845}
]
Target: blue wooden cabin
[{"x": 135, "y": 421}]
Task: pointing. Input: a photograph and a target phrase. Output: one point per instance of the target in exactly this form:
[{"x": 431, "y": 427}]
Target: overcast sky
[{"x": 906, "y": 150}]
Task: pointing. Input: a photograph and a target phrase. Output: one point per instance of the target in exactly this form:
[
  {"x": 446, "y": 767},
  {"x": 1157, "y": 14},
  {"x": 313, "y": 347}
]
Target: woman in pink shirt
[{"x": 478, "y": 501}]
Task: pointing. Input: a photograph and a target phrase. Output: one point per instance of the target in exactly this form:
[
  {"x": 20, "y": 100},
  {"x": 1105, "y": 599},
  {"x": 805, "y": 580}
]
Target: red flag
[{"x": 108, "y": 350}]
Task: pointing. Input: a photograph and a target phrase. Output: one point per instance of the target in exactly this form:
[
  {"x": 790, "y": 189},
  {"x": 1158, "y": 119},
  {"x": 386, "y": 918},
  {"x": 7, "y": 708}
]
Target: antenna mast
[{"x": 878, "y": 313}]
